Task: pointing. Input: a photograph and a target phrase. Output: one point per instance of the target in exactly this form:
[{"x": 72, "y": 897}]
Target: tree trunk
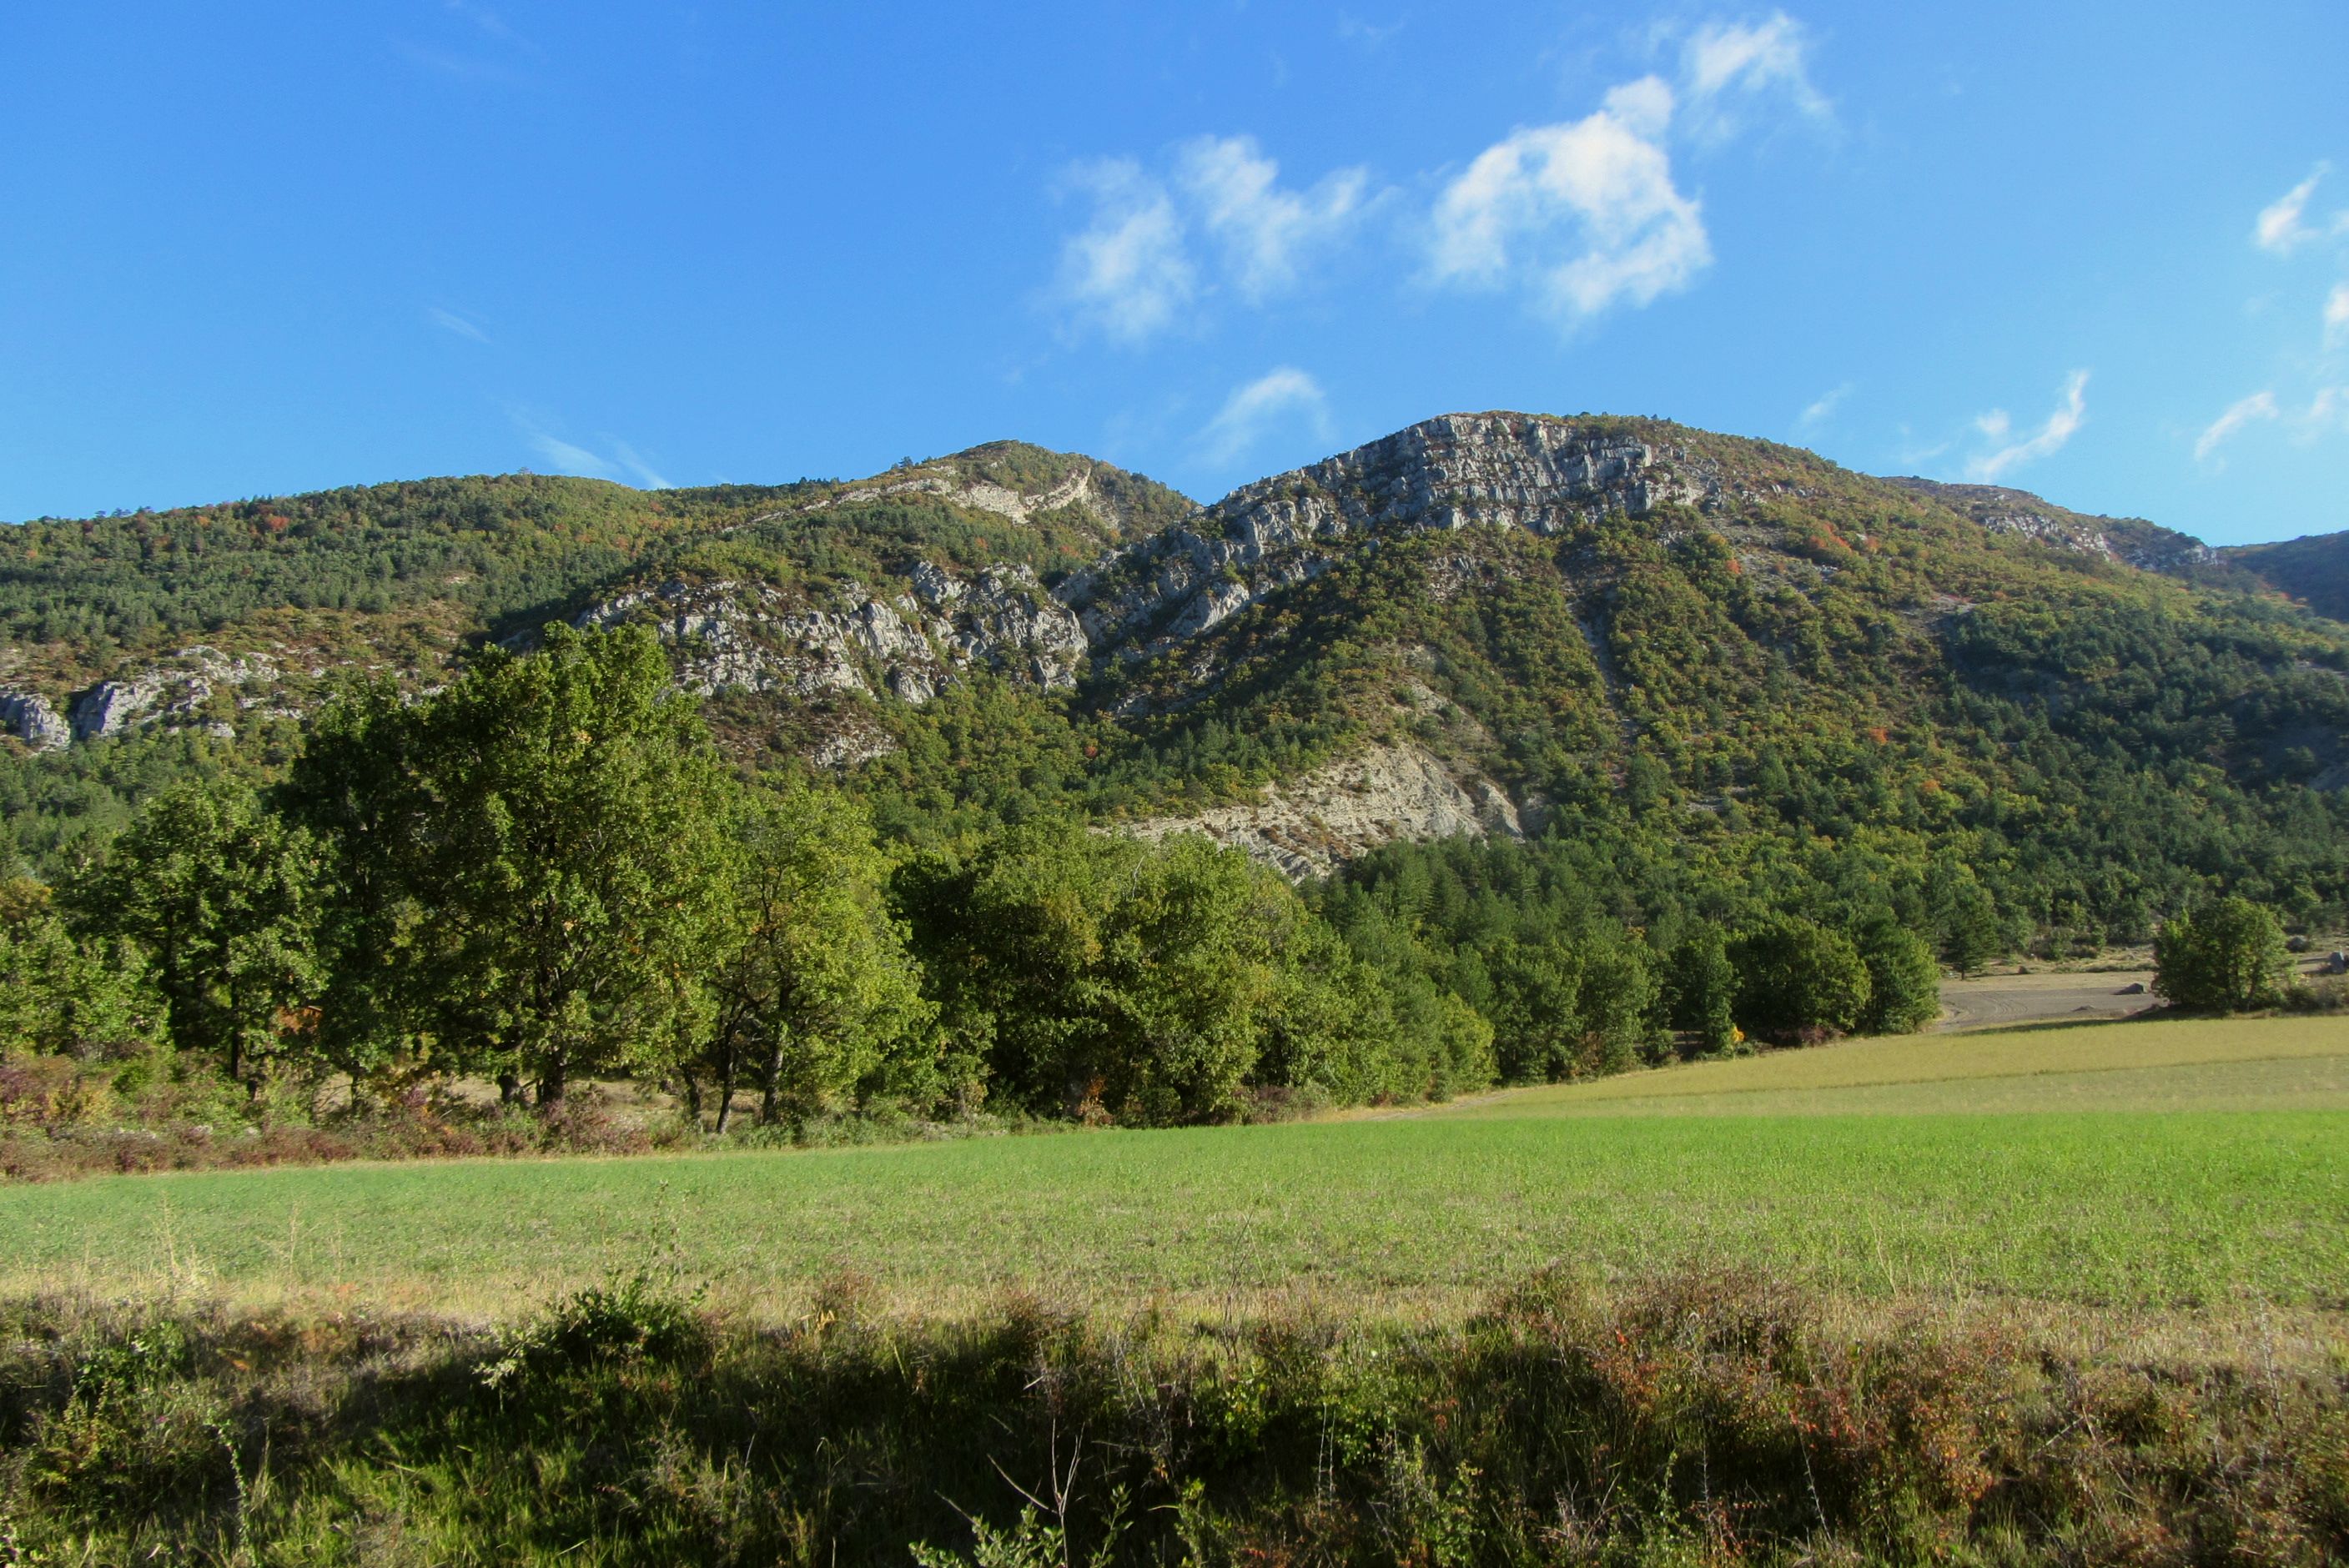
[
  {"x": 508, "y": 1088},
  {"x": 771, "y": 1085},
  {"x": 692, "y": 1083},
  {"x": 725, "y": 1063},
  {"x": 552, "y": 1081}
]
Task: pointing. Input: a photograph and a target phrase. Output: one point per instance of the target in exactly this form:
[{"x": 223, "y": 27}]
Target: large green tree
[
  {"x": 2225, "y": 957},
  {"x": 1904, "y": 983},
  {"x": 531, "y": 855},
  {"x": 810, "y": 991},
  {"x": 1799, "y": 980},
  {"x": 364, "y": 786},
  {"x": 221, "y": 894},
  {"x": 1099, "y": 976},
  {"x": 62, "y": 994}
]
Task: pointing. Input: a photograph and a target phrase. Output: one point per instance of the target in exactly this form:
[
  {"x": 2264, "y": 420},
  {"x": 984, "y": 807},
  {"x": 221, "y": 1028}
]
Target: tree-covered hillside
[
  {"x": 2313, "y": 570},
  {"x": 1693, "y": 671}
]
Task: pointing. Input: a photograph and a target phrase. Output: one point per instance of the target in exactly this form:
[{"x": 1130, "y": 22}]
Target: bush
[
  {"x": 1904, "y": 983},
  {"x": 1798, "y": 981},
  {"x": 2224, "y": 958},
  {"x": 632, "y": 1317}
]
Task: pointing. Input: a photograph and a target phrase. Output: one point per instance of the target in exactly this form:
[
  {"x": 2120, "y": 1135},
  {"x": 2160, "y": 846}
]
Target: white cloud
[
  {"x": 564, "y": 457},
  {"x": 450, "y": 321},
  {"x": 636, "y": 465},
  {"x": 2328, "y": 410},
  {"x": 1249, "y": 412},
  {"x": 1128, "y": 273},
  {"x": 2257, "y": 405},
  {"x": 1585, "y": 215},
  {"x": 2279, "y": 227},
  {"x": 1821, "y": 411},
  {"x": 1131, "y": 274},
  {"x": 2336, "y": 315},
  {"x": 1721, "y": 61},
  {"x": 2048, "y": 438},
  {"x": 1266, "y": 231}
]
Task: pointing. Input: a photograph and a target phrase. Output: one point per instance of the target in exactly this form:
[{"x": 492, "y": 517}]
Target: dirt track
[{"x": 1992, "y": 1001}]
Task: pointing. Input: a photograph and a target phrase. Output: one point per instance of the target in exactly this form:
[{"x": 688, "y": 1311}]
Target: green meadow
[{"x": 2169, "y": 1165}]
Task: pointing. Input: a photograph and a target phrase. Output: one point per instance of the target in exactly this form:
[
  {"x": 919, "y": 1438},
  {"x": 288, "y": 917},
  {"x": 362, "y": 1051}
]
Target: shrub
[
  {"x": 2225, "y": 957},
  {"x": 638, "y": 1315}
]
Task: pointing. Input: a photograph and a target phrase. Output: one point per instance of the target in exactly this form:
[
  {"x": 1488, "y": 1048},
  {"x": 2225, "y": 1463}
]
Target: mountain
[
  {"x": 2313, "y": 570},
  {"x": 1683, "y": 652}
]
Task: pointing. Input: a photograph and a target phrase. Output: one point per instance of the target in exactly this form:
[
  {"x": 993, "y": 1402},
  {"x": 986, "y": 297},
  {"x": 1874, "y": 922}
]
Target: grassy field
[
  {"x": 1845, "y": 1168},
  {"x": 2202, "y": 1064}
]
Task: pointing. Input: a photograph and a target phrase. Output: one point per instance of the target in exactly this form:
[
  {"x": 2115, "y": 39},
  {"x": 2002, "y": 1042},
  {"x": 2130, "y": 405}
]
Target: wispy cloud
[
  {"x": 2243, "y": 411},
  {"x": 1726, "y": 68},
  {"x": 644, "y": 471},
  {"x": 1585, "y": 215},
  {"x": 1267, "y": 232},
  {"x": 2282, "y": 225},
  {"x": 2007, "y": 452},
  {"x": 1251, "y": 411},
  {"x": 564, "y": 457},
  {"x": 489, "y": 24},
  {"x": 468, "y": 57},
  {"x": 1131, "y": 274},
  {"x": 1370, "y": 35},
  {"x": 2328, "y": 413},
  {"x": 2336, "y": 315},
  {"x": 1824, "y": 409},
  {"x": 450, "y": 321},
  {"x": 1127, "y": 274}
]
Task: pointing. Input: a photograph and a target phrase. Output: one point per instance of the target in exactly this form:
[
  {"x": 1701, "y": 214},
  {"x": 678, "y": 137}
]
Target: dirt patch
[{"x": 1997, "y": 1001}]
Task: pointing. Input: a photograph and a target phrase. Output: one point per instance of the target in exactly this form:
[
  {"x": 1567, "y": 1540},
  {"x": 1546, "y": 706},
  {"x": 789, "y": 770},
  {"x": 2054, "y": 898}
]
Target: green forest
[{"x": 1777, "y": 766}]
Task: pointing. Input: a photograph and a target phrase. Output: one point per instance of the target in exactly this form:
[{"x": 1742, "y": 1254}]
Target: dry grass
[{"x": 2202, "y": 1064}]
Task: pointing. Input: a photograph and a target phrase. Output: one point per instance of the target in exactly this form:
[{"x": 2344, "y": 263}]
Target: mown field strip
[
  {"x": 1969, "y": 1062},
  {"x": 2297, "y": 1083},
  {"x": 2163, "y": 1209}
]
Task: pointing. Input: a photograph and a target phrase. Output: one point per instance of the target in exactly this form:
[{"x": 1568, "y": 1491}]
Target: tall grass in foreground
[{"x": 1699, "y": 1419}]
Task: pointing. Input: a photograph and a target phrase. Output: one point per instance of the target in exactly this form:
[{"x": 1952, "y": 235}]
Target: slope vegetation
[{"x": 1670, "y": 660}]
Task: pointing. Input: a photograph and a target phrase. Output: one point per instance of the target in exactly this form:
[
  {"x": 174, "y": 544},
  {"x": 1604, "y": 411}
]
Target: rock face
[
  {"x": 31, "y": 716},
  {"x": 908, "y": 640},
  {"x": 1513, "y": 470},
  {"x": 1077, "y": 490},
  {"x": 1306, "y": 827},
  {"x": 171, "y": 695}
]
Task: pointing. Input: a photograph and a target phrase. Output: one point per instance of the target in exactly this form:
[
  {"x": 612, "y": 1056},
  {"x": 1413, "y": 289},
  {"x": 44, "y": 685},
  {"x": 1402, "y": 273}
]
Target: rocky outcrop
[
  {"x": 172, "y": 694},
  {"x": 2132, "y": 542},
  {"x": 727, "y": 635},
  {"x": 1508, "y": 471},
  {"x": 1309, "y": 825},
  {"x": 980, "y": 495},
  {"x": 109, "y": 707},
  {"x": 33, "y": 721}
]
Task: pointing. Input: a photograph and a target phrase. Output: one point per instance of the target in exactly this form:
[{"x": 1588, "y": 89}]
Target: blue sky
[{"x": 2099, "y": 251}]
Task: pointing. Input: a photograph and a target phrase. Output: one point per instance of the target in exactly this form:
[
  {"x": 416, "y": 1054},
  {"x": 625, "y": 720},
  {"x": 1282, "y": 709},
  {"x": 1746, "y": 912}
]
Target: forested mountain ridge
[
  {"x": 1684, "y": 654},
  {"x": 2312, "y": 569}
]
